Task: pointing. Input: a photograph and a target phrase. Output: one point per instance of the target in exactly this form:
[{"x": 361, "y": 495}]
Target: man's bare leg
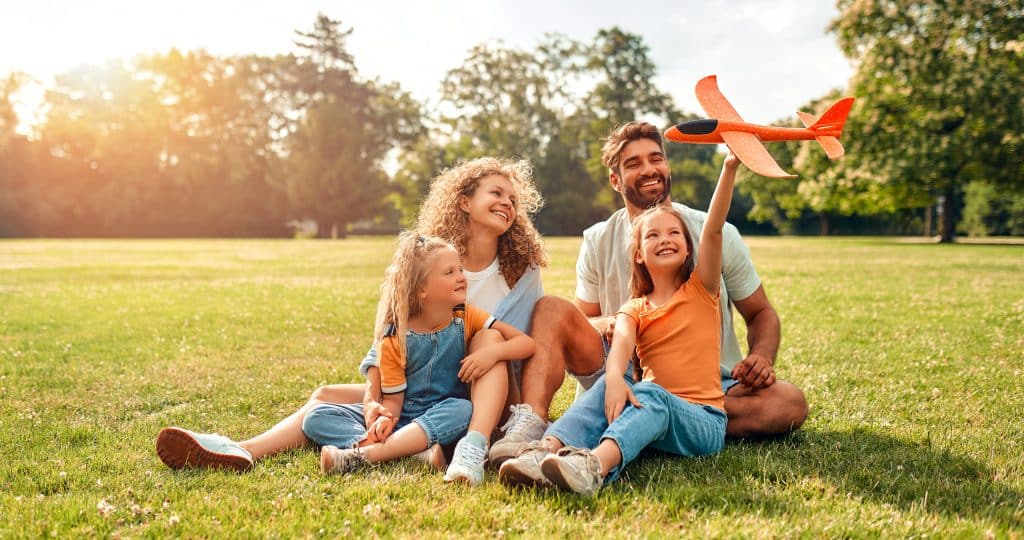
[
  {"x": 565, "y": 342},
  {"x": 775, "y": 410}
]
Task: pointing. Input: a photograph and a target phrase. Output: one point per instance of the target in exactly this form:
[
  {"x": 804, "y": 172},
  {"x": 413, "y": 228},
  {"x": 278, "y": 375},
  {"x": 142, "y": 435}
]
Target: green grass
[{"x": 910, "y": 355}]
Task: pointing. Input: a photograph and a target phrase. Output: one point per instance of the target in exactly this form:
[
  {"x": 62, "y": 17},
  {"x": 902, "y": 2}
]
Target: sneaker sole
[
  {"x": 513, "y": 477},
  {"x": 179, "y": 450},
  {"x": 552, "y": 469},
  {"x": 461, "y": 479}
]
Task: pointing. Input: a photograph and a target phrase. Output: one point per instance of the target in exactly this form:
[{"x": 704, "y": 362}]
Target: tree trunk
[
  {"x": 928, "y": 219},
  {"x": 948, "y": 209},
  {"x": 824, "y": 227}
]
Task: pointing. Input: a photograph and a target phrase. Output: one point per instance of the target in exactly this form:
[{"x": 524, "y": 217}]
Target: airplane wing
[
  {"x": 714, "y": 103},
  {"x": 753, "y": 154}
]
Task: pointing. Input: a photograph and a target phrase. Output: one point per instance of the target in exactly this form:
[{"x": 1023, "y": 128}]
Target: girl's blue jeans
[{"x": 665, "y": 422}]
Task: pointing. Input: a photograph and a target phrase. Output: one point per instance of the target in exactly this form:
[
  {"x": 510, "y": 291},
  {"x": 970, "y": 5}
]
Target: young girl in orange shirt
[{"x": 673, "y": 321}]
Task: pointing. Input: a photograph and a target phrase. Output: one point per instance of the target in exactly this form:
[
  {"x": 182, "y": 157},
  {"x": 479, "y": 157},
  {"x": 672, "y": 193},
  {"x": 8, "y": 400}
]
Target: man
[{"x": 573, "y": 336}]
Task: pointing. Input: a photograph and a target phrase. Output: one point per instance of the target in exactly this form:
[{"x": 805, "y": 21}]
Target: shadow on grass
[{"x": 780, "y": 476}]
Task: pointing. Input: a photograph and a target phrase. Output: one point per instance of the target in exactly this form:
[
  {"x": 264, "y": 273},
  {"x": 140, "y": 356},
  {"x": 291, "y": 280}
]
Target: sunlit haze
[{"x": 771, "y": 56}]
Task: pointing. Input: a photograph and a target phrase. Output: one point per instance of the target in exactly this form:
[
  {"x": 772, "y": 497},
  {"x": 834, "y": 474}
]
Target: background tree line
[{"x": 191, "y": 144}]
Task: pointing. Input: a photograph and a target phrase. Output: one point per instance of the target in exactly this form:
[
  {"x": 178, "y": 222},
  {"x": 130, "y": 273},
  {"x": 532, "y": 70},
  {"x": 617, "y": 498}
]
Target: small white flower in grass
[
  {"x": 371, "y": 510},
  {"x": 105, "y": 508},
  {"x": 173, "y": 520}
]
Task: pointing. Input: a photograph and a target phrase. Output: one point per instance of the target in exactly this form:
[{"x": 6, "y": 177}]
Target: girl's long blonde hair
[
  {"x": 440, "y": 215},
  {"x": 640, "y": 282},
  {"x": 402, "y": 281}
]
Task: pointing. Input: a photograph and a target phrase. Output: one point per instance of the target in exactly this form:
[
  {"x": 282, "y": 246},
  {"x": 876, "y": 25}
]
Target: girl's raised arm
[{"x": 709, "y": 263}]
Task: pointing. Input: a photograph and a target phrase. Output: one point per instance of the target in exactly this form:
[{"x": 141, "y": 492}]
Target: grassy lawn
[{"x": 910, "y": 355}]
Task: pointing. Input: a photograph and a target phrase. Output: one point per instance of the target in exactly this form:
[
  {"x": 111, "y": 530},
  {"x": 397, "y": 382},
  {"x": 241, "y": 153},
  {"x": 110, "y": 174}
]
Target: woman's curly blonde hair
[{"x": 520, "y": 246}]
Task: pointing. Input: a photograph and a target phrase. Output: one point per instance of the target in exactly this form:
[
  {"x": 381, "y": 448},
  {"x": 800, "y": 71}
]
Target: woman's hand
[
  {"x": 616, "y": 394},
  {"x": 475, "y": 365}
]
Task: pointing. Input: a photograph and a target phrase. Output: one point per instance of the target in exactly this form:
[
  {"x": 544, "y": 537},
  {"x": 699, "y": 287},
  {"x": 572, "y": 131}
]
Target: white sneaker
[
  {"x": 524, "y": 469},
  {"x": 467, "y": 463},
  {"x": 574, "y": 469},
  {"x": 334, "y": 460},
  {"x": 180, "y": 448},
  {"x": 522, "y": 428}
]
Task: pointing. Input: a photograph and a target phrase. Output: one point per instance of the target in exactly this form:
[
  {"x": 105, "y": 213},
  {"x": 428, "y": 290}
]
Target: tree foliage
[
  {"x": 942, "y": 89},
  {"x": 190, "y": 143}
]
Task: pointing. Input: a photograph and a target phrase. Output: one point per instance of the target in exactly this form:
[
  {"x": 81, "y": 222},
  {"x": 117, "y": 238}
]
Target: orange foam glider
[{"x": 726, "y": 126}]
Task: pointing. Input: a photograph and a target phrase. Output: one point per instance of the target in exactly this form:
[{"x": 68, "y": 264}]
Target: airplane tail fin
[{"x": 832, "y": 120}]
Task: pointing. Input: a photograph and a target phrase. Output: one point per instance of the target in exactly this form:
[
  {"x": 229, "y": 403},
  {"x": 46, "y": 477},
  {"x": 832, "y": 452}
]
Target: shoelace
[
  {"x": 590, "y": 461},
  {"x": 469, "y": 453},
  {"x": 519, "y": 421}
]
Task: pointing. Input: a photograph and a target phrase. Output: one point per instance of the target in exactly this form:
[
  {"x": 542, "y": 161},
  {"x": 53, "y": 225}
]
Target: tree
[
  {"x": 624, "y": 91},
  {"x": 334, "y": 170},
  {"x": 941, "y": 88}
]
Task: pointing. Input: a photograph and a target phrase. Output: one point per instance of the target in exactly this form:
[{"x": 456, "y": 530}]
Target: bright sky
[{"x": 771, "y": 56}]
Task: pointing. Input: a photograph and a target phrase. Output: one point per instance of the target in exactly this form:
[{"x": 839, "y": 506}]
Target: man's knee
[
  {"x": 791, "y": 403},
  {"x": 562, "y": 329},
  {"x": 775, "y": 410},
  {"x": 552, "y": 313}
]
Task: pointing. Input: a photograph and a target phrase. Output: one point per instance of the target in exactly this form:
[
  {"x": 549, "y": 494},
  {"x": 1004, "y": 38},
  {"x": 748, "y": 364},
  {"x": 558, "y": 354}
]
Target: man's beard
[{"x": 635, "y": 198}]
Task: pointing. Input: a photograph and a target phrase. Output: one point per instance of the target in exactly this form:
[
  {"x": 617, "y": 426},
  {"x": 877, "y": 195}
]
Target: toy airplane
[{"x": 726, "y": 126}]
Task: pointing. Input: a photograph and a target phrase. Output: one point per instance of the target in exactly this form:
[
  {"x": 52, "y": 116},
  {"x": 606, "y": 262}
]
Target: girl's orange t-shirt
[{"x": 679, "y": 343}]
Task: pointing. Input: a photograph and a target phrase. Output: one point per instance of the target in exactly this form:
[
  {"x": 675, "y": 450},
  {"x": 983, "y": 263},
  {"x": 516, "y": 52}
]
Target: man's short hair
[{"x": 623, "y": 135}]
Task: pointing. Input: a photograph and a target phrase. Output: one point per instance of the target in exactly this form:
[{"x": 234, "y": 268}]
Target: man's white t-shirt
[
  {"x": 603, "y": 269},
  {"x": 487, "y": 287}
]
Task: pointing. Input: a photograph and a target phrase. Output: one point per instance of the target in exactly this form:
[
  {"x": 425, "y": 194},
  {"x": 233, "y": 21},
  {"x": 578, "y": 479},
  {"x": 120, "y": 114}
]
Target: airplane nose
[{"x": 673, "y": 134}]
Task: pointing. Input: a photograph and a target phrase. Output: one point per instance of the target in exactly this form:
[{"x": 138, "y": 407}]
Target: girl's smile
[{"x": 662, "y": 241}]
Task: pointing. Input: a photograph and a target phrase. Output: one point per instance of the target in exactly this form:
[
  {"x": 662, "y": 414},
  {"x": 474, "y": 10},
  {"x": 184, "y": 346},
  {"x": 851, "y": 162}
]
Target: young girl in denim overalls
[
  {"x": 422, "y": 331},
  {"x": 673, "y": 322}
]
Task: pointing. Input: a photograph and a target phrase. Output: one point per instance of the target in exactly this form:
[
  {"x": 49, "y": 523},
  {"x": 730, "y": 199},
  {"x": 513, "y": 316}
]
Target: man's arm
[{"x": 763, "y": 336}]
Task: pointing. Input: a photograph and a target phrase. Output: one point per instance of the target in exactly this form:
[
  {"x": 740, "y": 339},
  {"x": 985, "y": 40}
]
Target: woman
[{"x": 481, "y": 207}]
